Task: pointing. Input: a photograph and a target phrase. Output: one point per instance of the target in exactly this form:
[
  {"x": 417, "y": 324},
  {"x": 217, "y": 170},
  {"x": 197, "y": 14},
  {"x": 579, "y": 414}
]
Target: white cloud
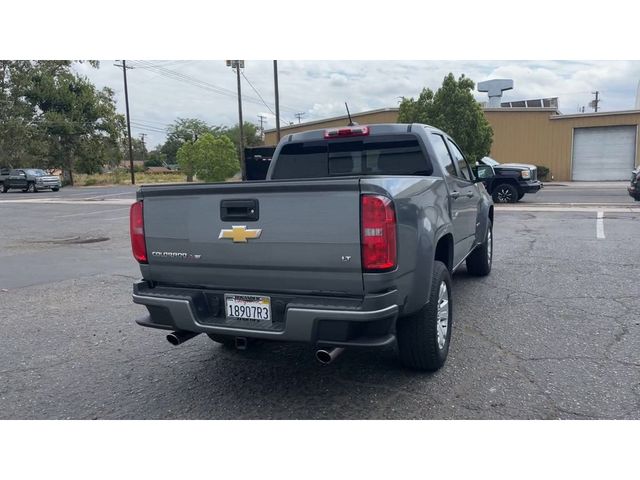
[{"x": 320, "y": 88}]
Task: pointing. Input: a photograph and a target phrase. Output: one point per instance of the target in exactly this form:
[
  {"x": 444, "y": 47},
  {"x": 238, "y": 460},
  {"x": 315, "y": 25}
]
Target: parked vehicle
[
  {"x": 634, "y": 187},
  {"x": 4, "y": 174},
  {"x": 511, "y": 181},
  {"x": 30, "y": 180},
  {"x": 349, "y": 242}
]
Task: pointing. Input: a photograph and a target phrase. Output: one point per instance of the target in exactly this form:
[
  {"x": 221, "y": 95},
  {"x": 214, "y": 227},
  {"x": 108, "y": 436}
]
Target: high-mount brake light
[
  {"x": 346, "y": 132},
  {"x": 136, "y": 224},
  {"x": 378, "y": 233}
]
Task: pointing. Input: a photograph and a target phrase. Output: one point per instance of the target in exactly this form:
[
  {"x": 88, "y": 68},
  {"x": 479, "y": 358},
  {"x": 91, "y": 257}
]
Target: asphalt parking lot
[{"x": 553, "y": 332}]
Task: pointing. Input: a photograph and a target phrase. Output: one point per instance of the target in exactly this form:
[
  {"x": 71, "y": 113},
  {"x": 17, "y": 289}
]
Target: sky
[{"x": 161, "y": 91}]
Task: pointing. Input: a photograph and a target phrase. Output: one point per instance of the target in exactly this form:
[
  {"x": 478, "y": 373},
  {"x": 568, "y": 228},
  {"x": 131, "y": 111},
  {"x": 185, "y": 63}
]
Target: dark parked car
[
  {"x": 511, "y": 180},
  {"x": 30, "y": 180},
  {"x": 634, "y": 188}
]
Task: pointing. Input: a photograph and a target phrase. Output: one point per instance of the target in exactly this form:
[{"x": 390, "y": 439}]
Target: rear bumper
[
  {"x": 530, "y": 187},
  {"x": 371, "y": 323}
]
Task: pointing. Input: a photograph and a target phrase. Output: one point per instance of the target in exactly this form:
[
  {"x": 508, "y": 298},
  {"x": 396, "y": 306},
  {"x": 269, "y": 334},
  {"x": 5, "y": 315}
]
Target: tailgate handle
[{"x": 233, "y": 210}]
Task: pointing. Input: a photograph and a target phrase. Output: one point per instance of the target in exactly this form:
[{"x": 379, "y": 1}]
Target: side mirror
[{"x": 483, "y": 172}]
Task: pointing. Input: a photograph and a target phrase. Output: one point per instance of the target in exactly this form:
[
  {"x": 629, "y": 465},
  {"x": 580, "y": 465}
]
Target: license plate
[{"x": 248, "y": 307}]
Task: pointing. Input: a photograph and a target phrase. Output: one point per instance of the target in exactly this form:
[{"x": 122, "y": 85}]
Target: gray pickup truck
[{"x": 349, "y": 242}]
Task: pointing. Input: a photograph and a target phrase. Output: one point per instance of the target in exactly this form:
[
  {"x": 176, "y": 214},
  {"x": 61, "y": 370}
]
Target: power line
[
  {"x": 258, "y": 93},
  {"x": 168, "y": 73}
]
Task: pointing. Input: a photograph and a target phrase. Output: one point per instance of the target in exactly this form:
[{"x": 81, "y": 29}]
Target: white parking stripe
[
  {"x": 600, "y": 224},
  {"x": 90, "y": 213},
  {"x": 94, "y": 195}
]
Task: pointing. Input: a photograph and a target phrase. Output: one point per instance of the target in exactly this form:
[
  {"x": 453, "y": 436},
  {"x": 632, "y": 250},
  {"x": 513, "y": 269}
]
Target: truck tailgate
[{"x": 309, "y": 240}]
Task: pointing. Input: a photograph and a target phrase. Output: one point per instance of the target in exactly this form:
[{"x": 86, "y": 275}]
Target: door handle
[
  {"x": 470, "y": 194},
  {"x": 454, "y": 194}
]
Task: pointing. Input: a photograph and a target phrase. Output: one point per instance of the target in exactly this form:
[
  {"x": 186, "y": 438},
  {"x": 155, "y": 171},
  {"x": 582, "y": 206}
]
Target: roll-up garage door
[{"x": 603, "y": 153}]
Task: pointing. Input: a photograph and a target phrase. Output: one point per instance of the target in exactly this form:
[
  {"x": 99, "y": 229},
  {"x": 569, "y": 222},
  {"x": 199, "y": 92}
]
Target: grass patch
[{"x": 124, "y": 178}]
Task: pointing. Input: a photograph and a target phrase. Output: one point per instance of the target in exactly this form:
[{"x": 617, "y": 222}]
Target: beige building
[{"x": 587, "y": 146}]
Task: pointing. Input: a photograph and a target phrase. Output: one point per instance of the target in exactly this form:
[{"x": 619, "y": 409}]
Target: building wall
[
  {"x": 563, "y": 127},
  {"x": 538, "y": 136},
  {"x": 541, "y": 137},
  {"x": 526, "y": 136}
]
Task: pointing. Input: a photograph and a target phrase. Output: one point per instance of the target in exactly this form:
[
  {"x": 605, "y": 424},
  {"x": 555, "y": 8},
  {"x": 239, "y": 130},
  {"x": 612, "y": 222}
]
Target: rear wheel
[
  {"x": 505, "y": 193},
  {"x": 424, "y": 337},
  {"x": 479, "y": 262},
  {"x": 520, "y": 195},
  {"x": 55, "y": 189},
  {"x": 5, "y": 188},
  {"x": 31, "y": 187}
]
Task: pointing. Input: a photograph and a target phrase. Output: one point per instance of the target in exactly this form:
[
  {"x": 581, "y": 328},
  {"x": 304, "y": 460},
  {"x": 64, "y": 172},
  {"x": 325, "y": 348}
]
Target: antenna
[{"x": 351, "y": 122}]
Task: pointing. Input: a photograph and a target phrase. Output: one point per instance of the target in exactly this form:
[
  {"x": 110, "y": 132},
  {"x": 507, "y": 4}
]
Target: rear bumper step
[{"x": 313, "y": 325}]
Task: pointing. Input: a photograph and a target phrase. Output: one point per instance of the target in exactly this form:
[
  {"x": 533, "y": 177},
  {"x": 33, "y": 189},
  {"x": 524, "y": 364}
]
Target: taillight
[
  {"x": 378, "y": 231},
  {"x": 346, "y": 132},
  {"x": 136, "y": 227}
]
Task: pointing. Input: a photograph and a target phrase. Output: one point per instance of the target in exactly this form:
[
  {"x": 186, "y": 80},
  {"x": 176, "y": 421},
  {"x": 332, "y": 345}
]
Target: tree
[
  {"x": 251, "y": 134},
  {"x": 186, "y": 157},
  {"x": 211, "y": 158},
  {"x": 57, "y": 117},
  {"x": 184, "y": 130},
  {"x": 452, "y": 109}
]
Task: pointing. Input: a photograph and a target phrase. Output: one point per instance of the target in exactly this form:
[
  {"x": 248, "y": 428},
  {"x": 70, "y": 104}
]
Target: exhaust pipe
[
  {"x": 327, "y": 356},
  {"x": 180, "y": 336}
]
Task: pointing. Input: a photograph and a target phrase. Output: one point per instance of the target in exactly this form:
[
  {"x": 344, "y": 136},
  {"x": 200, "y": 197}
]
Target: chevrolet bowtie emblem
[{"x": 240, "y": 234}]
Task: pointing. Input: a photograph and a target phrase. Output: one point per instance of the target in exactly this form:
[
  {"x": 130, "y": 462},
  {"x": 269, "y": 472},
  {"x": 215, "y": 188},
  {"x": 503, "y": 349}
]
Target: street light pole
[{"x": 238, "y": 64}]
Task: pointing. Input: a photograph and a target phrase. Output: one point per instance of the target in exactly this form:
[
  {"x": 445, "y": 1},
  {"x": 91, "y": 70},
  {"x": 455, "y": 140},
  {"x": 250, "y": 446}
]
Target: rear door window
[
  {"x": 376, "y": 155},
  {"x": 444, "y": 158}
]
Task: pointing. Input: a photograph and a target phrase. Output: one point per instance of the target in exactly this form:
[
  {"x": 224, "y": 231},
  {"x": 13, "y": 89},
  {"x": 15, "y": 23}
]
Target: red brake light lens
[
  {"x": 378, "y": 233},
  {"x": 346, "y": 132},
  {"x": 136, "y": 226}
]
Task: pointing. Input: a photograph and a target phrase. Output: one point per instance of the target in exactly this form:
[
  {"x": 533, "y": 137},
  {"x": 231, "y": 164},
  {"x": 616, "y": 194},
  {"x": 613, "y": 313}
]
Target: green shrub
[
  {"x": 90, "y": 182},
  {"x": 543, "y": 172}
]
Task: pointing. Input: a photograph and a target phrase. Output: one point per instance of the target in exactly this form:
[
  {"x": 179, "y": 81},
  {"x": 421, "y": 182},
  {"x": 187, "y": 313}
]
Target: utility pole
[
  {"x": 275, "y": 83},
  {"x": 299, "y": 116},
  {"x": 126, "y": 101},
  {"x": 238, "y": 64},
  {"x": 262, "y": 119},
  {"x": 595, "y": 102},
  {"x": 142, "y": 135}
]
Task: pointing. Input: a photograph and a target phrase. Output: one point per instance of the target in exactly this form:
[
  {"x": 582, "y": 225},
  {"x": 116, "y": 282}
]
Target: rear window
[{"x": 377, "y": 155}]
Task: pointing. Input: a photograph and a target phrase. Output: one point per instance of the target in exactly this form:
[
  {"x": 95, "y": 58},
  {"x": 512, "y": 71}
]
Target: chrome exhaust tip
[
  {"x": 180, "y": 336},
  {"x": 326, "y": 356}
]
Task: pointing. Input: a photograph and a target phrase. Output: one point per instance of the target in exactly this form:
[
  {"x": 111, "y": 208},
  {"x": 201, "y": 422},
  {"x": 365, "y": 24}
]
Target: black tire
[
  {"x": 420, "y": 345},
  {"x": 520, "y": 195},
  {"x": 479, "y": 262},
  {"x": 31, "y": 188},
  {"x": 505, "y": 193},
  {"x": 5, "y": 188},
  {"x": 55, "y": 189},
  {"x": 226, "y": 340}
]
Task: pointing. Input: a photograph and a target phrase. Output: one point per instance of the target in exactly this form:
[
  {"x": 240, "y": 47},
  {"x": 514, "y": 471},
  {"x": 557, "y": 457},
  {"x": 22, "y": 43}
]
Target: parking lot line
[
  {"x": 600, "y": 224},
  {"x": 91, "y": 213}
]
